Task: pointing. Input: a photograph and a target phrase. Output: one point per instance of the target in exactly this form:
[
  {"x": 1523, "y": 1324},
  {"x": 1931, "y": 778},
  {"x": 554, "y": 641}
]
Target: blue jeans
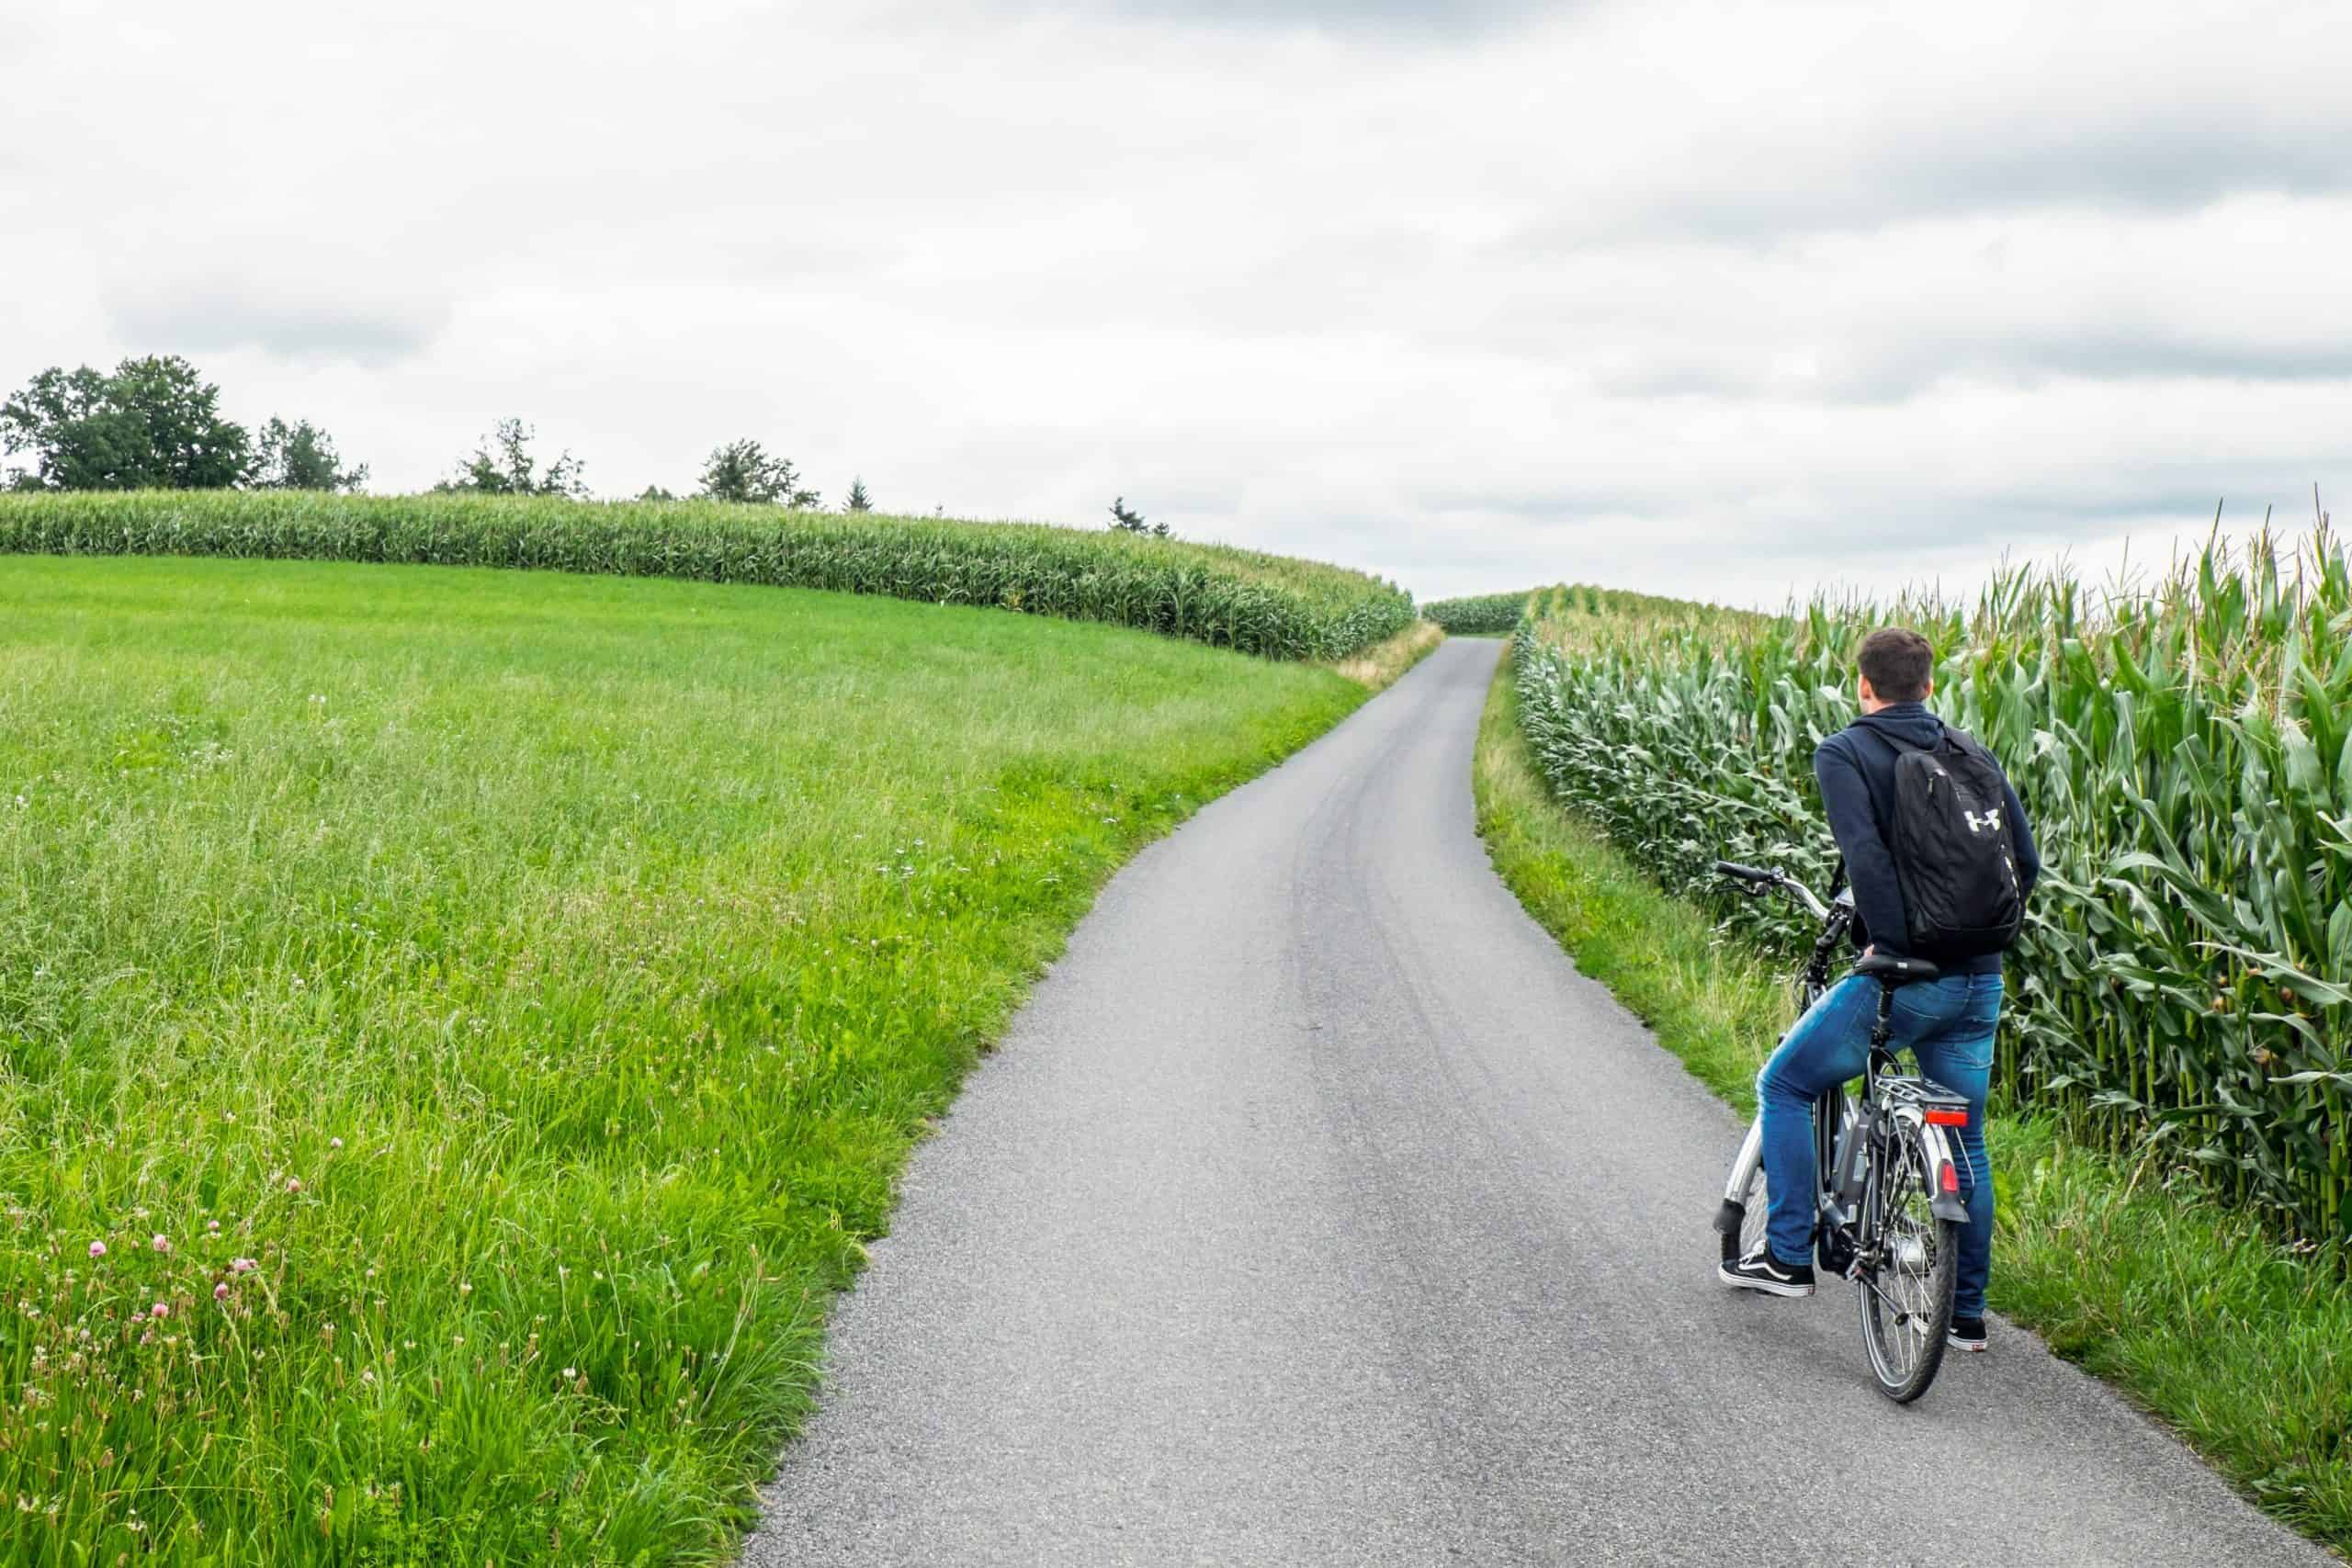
[{"x": 1947, "y": 1024}]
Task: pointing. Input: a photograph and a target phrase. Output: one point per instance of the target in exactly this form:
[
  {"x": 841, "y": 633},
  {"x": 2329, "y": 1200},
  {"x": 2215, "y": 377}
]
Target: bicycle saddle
[{"x": 1890, "y": 970}]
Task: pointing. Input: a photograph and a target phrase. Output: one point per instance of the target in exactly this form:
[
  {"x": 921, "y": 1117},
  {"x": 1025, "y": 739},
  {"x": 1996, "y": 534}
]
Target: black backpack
[{"x": 1955, "y": 857}]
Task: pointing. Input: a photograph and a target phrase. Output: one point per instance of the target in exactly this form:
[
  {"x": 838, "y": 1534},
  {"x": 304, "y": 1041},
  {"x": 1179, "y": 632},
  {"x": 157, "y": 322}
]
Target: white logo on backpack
[{"x": 1988, "y": 823}]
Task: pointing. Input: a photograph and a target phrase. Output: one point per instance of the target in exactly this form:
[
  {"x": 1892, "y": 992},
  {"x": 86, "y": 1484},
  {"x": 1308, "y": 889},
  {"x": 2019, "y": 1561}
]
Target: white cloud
[{"x": 1688, "y": 298}]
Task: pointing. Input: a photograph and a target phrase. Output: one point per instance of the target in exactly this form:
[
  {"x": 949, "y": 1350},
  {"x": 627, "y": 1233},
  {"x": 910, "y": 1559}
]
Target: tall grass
[
  {"x": 1269, "y": 605},
  {"x": 457, "y": 1027},
  {"x": 1484, "y": 614},
  {"x": 2185, "y": 982}
]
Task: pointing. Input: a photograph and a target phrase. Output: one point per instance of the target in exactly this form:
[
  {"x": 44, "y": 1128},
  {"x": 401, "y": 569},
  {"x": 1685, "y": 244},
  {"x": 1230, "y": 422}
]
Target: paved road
[{"x": 1316, "y": 1211}]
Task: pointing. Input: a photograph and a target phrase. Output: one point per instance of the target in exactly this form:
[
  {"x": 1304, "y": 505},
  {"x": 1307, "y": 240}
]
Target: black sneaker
[
  {"x": 1759, "y": 1270},
  {"x": 1967, "y": 1334}
]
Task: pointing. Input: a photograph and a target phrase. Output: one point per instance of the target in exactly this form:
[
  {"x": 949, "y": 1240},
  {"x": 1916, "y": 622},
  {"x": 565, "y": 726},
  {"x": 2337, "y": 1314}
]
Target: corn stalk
[{"x": 2184, "y": 984}]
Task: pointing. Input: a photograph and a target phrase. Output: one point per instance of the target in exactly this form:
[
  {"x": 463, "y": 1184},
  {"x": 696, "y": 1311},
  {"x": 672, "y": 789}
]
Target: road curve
[{"x": 1316, "y": 1211}]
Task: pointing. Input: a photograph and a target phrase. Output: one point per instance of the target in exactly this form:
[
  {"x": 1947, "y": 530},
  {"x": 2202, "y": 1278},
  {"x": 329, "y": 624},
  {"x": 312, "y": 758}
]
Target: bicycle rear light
[
  {"x": 1948, "y": 1179},
  {"x": 1939, "y": 1116}
]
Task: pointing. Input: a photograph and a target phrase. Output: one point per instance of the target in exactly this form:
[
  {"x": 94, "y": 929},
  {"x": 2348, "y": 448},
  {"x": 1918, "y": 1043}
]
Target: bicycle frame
[{"x": 1846, "y": 1128}]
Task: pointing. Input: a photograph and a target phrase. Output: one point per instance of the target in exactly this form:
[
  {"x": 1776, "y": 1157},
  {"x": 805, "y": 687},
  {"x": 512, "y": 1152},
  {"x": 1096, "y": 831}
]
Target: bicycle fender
[
  {"x": 1751, "y": 1154},
  {"x": 1948, "y": 1203}
]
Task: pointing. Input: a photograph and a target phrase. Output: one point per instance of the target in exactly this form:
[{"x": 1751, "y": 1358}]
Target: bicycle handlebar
[{"x": 1760, "y": 878}]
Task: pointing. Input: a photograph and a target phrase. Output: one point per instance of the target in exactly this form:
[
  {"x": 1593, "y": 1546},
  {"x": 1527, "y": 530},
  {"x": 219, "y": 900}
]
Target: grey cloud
[
  {"x": 1540, "y": 504},
  {"x": 2137, "y": 356},
  {"x": 2101, "y": 353},
  {"x": 1475, "y": 295},
  {"x": 221, "y": 314},
  {"x": 1977, "y": 169},
  {"x": 1927, "y": 358},
  {"x": 1858, "y": 517},
  {"x": 1459, "y": 17}
]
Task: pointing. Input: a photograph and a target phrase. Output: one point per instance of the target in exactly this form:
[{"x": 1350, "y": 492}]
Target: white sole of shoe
[{"x": 1767, "y": 1286}]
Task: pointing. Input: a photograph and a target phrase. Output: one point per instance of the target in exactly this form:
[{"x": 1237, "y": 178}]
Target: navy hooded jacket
[{"x": 1855, "y": 769}]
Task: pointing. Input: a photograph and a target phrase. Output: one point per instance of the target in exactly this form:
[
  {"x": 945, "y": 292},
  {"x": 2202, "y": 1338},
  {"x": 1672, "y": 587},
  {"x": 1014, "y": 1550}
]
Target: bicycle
[{"x": 1888, "y": 1206}]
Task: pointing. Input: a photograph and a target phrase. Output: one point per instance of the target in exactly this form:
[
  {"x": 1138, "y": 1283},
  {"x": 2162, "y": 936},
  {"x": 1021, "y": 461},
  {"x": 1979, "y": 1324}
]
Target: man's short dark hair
[{"x": 1897, "y": 661}]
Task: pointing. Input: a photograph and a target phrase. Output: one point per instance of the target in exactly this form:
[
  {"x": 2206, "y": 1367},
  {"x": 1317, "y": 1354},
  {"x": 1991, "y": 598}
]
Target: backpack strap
[{"x": 1899, "y": 746}]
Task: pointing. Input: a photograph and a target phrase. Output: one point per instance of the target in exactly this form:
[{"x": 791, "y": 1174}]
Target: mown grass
[
  {"x": 1271, "y": 605},
  {"x": 480, "y": 1015},
  {"x": 2179, "y": 1301}
]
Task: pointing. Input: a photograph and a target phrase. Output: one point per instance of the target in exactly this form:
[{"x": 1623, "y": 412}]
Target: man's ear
[
  {"x": 1928, "y": 690},
  {"x": 1862, "y": 689}
]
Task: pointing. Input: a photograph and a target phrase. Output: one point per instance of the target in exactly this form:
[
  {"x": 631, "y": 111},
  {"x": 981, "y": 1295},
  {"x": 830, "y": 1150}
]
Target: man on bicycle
[{"x": 1948, "y": 1022}]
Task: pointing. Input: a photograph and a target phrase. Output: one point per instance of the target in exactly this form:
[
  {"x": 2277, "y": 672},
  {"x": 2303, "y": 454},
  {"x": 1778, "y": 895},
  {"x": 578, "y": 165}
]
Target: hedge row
[{"x": 1230, "y": 598}]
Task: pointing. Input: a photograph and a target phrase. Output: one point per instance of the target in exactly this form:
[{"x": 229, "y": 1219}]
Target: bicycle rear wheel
[{"x": 1905, "y": 1287}]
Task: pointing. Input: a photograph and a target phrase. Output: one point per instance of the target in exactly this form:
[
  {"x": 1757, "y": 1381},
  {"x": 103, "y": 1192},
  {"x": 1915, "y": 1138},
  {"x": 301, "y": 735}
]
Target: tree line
[{"x": 155, "y": 423}]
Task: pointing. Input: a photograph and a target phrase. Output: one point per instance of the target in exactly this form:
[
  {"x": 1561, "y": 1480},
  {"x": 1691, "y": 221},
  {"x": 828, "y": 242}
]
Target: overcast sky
[{"x": 1710, "y": 299}]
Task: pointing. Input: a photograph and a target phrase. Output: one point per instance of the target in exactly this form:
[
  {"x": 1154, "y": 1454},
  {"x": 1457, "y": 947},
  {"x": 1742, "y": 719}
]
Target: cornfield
[
  {"x": 2184, "y": 986},
  {"x": 1229, "y": 598},
  {"x": 1482, "y": 616}
]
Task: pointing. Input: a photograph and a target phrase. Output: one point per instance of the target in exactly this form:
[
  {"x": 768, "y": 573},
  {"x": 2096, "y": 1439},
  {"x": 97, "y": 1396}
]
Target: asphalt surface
[{"x": 1316, "y": 1211}]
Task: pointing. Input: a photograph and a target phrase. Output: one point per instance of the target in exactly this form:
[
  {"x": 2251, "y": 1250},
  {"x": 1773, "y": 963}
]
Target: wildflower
[
  {"x": 220, "y": 1292},
  {"x": 293, "y": 1184},
  {"x": 162, "y": 1242},
  {"x": 242, "y": 1265},
  {"x": 97, "y": 1249},
  {"x": 159, "y": 1310},
  {"x": 568, "y": 1374},
  {"x": 334, "y": 1143}
]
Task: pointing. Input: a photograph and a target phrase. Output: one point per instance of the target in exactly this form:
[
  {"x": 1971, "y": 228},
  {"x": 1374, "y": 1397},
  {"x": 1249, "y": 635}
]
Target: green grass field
[{"x": 459, "y": 1026}]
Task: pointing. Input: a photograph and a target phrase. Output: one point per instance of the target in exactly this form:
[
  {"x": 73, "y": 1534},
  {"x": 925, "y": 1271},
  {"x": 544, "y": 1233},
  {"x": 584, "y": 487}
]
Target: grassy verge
[
  {"x": 457, "y": 1027},
  {"x": 1380, "y": 666},
  {"x": 2174, "y": 1299}
]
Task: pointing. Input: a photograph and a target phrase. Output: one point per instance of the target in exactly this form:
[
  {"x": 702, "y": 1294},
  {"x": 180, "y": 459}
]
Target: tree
[
  {"x": 155, "y": 423},
  {"x": 301, "y": 456},
  {"x": 1127, "y": 519},
  {"x": 655, "y": 492},
  {"x": 741, "y": 470},
  {"x": 858, "y": 500},
  {"x": 512, "y": 470}
]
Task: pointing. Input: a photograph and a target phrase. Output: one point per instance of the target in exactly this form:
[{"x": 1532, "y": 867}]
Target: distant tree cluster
[
  {"x": 1127, "y": 519},
  {"x": 742, "y": 471},
  {"x": 501, "y": 464},
  {"x": 301, "y": 456},
  {"x": 155, "y": 423}
]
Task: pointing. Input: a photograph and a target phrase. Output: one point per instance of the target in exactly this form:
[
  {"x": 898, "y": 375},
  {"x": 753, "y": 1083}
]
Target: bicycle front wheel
[{"x": 1904, "y": 1284}]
